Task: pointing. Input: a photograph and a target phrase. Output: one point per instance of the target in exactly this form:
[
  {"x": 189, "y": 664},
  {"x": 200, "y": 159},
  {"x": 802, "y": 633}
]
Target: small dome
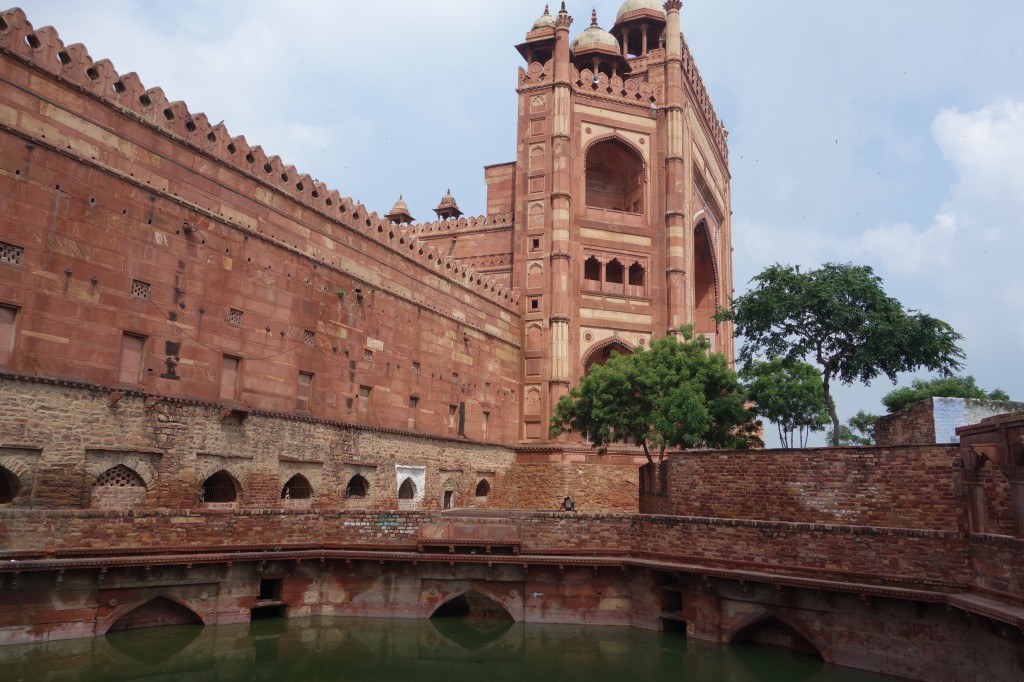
[
  {"x": 545, "y": 20},
  {"x": 400, "y": 205},
  {"x": 447, "y": 198},
  {"x": 634, "y": 5},
  {"x": 594, "y": 38}
]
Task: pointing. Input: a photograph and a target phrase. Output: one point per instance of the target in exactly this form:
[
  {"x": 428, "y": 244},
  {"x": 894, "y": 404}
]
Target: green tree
[
  {"x": 858, "y": 430},
  {"x": 789, "y": 394},
  {"x": 675, "y": 394},
  {"x": 839, "y": 317},
  {"x": 941, "y": 387}
]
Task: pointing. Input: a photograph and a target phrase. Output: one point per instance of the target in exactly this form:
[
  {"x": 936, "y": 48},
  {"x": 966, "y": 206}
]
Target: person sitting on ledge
[{"x": 568, "y": 504}]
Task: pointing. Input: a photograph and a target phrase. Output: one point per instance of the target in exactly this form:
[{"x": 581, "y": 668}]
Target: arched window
[
  {"x": 120, "y": 476},
  {"x": 407, "y": 490},
  {"x": 297, "y": 488},
  {"x": 483, "y": 488},
  {"x": 592, "y": 269},
  {"x": 219, "y": 488},
  {"x": 357, "y": 487},
  {"x": 636, "y": 275},
  {"x": 119, "y": 487},
  {"x": 615, "y": 177},
  {"x": 613, "y": 272},
  {"x": 9, "y": 485}
]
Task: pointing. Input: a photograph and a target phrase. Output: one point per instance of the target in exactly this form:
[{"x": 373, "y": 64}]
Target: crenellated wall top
[
  {"x": 464, "y": 224},
  {"x": 43, "y": 49},
  {"x": 703, "y": 102}
]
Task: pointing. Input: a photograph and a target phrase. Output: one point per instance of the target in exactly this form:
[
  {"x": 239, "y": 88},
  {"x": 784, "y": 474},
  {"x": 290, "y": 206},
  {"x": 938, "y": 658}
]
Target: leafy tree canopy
[
  {"x": 941, "y": 387},
  {"x": 858, "y": 429},
  {"x": 840, "y": 318},
  {"x": 675, "y": 394},
  {"x": 789, "y": 394}
]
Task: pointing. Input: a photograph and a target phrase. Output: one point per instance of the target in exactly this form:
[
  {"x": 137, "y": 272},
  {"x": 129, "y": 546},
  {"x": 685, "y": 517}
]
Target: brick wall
[
  {"x": 914, "y": 425},
  {"x": 58, "y": 439},
  {"x": 907, "y": 487}
]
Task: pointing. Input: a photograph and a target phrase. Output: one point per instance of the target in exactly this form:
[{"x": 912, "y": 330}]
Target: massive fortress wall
[{"x": 246, "y": 282}]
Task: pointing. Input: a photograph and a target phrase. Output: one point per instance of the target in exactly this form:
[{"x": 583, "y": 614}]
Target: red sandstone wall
[
  {"x": 906, "y": 487},
  {"x": 106, "y": 182}
]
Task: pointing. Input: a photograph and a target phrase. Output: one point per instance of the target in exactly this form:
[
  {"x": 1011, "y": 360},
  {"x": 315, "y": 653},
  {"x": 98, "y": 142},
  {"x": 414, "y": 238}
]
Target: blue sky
[{"x": 880, "y": 132}]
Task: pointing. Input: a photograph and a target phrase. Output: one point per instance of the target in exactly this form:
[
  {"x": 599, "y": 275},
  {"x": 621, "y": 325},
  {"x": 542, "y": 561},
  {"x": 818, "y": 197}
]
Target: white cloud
[
  {"x": 986, "y": 148},
  {"x": 904, "y": 251}
]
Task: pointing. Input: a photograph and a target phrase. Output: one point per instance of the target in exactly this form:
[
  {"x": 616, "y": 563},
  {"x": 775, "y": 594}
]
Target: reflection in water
[
  {"x": 389, "y": 649},
  {"x": 154, "y": 645}
]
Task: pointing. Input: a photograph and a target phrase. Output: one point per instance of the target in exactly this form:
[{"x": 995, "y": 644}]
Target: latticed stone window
[
  {"x": 308, "y": 337},
  {"x": 140, "y": 289},
  {"x": 9, "y": 253},
  {"x": 120, "y": 476},
  {"x": 367, "y": 354},
  {"x": 234, "y": 316},
  {"x": 415, "y": 368}
]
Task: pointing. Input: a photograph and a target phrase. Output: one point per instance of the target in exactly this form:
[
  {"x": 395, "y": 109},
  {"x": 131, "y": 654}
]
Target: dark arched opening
[
  {"x": 9, "y": 485},
  {"x": 613, "y": 272},
  {"x": 483, "y": 488},
  {"x": 615, "y": 177},
  {"x": 157, "y": 612},
  {"x": 592, "y": 269},
  {"x": 473, "y": 605},
  {"x": 297, "y": 488},
  {"x": 636, "y": 275},
  {"x": 599, "y": 356},
  {"x": 219, "y": 488},
  {"x": 407, "y": 490},
  {"x": 704, "y": 302},
  {"x": 357, "y": 487},
  {"x": 773, "y": 632}
]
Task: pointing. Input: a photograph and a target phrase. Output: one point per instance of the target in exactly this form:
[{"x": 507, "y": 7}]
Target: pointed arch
[
  {"x": 357, "y": 487},
  {"x": 805, "y": 639},
  {"x": 121, "y": 476},
  {"x": 615, "y": 175},
  {"x": 599, "y": 353},
  {"x": 153, "y": 612},
  {"x": 297, "y": 488},
  {"x": 220, "y": 487},
  {"x": 135, "y": 462},
  {"x": 483, "y": 488},
  {"x": 119, "y": 487},
  {"x": 705, "y": 281},
  {"x": 407, "y": 491},
  {"x": 478, "y": 592}
]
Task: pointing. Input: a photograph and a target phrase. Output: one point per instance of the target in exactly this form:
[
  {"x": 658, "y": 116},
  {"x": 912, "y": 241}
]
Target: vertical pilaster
[
  {"x": 561, "y": 208},
  {"x": 675, "y": 172}
]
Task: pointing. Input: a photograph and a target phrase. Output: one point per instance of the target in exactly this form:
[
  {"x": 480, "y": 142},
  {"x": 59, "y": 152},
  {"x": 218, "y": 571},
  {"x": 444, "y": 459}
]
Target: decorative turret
[
  {"x": 448, "y": 208},
  {"x": 639, "y": 26},
  {"x": 598, "y": 50},
  {"x": 399, "y": 213},
  {"x": 545, "y": 20},
  {"x": 540, "y": 40}
]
